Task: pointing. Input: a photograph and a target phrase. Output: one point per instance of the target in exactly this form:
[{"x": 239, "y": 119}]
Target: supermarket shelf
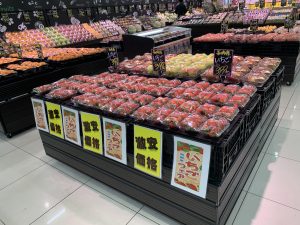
[{"x": 159, "y": 194}]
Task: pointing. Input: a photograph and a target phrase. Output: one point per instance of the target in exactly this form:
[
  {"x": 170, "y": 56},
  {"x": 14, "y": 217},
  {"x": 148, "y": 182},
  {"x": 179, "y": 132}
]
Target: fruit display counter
[
  {"x": 19, "y": 76},
  {"x": 281, "y": 43},
  {"x": 184, "y": 148}
]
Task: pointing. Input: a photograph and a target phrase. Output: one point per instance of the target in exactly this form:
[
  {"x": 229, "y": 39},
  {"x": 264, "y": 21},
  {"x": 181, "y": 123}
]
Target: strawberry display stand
[{"x": 232, "y": 156}]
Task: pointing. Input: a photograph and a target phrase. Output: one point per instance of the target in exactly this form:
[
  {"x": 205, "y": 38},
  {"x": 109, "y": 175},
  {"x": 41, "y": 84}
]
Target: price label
[
  {"x": 71, "y": 125},
  {"x": 55, "y": 119},
  {"x": 81, "y": 12},
  {"x": 92, "y": 134},
  {"x": 262, "y": 3},
  {"x": 55, "y": 13},
  {"x": 113, "y": 57},
  {"x": 5, "y": 18},
  {"x": 40, "y": 114},
  {"x": 26, "y": 17},
  {"x": 224, "y": 27},
  {"x": 254, "y": 25},
  {"x": 191, "y": 166},
  {"x": 17, "y": 48},
  {"x": 223, "y": 62},
  {"x": 40, "y": 15},
  {"x": 70, "y": 12},
  {"x": 39, "y": 50},
  {"x": 148, "y": 150},
  {"x": 115, "y": 140},
  {"x": 159, "y": 61},
  {"x": 256, "y": 4},
  {"x": 89, "y": 12}
]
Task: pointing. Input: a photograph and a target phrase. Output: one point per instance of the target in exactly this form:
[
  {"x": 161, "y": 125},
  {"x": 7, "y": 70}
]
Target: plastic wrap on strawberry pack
[
  {"x": 239, "y": 100},
  {"x": 207, "y": 109},
  {"x": 143, "y": 112},
  {"x": 176, "y": 92},
  {"x": 204, "y": 96},
  {"x": 127, "y": 108},
  {"x": 209, "y": 75},
  {"x": 189, "y": 106},
  {"x": 192, "y": 123},
  {"x": 174, "y": 119},
  {"x": 231, "y": 89},
  {"x": 201, "y": 85},
  {"x": 61, "y": 93},
  {"x": 190, "y": 93},
  {"x": 160, "y": 102},
  {"x": 249, "y": 90},
  {"x": 228, "y": 112},
  {"x": 217, "y": 87},
  {"x": 188, "y": 84},
  {"x": 174, "y": 103},
  {"x": 144, "y": 99},
  {"x": 43, "y": 89},
  {"x": 220, "y": 98},
  {"x": 158, "y": 91},
  {"x": 215, "y": 127},
  {"x": 160, "y": 114},
  {"x": 113, "y": 105},
  {"x": 99, "y": 90}
]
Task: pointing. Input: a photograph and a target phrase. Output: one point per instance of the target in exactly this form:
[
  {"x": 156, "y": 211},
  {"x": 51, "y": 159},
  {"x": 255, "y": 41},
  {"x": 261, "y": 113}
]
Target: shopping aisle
[{"x": 36, "y": 189}]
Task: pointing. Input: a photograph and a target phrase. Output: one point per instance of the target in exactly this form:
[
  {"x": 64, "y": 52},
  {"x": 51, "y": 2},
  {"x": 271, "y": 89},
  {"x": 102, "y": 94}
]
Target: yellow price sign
[
  {"x": 148, "y": 150},
  {"x": 55, "y": 119},
  {"x": 92, "y": 134}
]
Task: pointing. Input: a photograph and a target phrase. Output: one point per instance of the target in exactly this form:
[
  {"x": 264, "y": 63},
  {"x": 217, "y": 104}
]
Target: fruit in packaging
[
  {"x": 189, "y": 106},
  {"x": 174, "y": 119},
  {"x": 174, "y": 103},
  {"x": 207, "y": 109},
  {"x": 239, "y": 100},
  {"x": 228, "y": 112},
  {"x": 215, "y": 127},
  {"x": 143, "y": 112},
  {"x": 192, "y": 123}
]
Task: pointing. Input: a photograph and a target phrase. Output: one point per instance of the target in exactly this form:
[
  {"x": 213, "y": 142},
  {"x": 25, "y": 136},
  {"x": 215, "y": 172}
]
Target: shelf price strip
[
  {"x": 55, "y": 119},
  {"x": 223, "y": 62},
  {"x": 148, "y": 150},
  {"x": 39, "y": 114},
  {"x": 92, "y": 132},
  {"x": 159, "y": 61},
  {"x": 191, "y": 166}
]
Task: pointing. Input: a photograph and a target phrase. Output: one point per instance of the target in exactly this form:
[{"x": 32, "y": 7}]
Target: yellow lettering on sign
[
  {"x": 148, "y": 150},
  {"x": 92, "y": 133},
  {"x": 55, "y": 119}
]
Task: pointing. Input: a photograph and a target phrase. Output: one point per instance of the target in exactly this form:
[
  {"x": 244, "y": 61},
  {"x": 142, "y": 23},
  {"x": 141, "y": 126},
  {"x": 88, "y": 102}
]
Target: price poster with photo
[
  {"x": 71, "y": 125},
  {"x": 40, "y": 114},
  {"x": 55, "y": 119},
  {"x": 92, "y": 133},
  {"x": 115, "y": 140},
  {"x": 191, "y": 166},
  {"x": 148, "y": 150}
]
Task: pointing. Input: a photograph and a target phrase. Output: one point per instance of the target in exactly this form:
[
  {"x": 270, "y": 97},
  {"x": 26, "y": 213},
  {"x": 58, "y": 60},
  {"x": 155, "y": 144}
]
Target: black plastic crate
[
  {"x": 278, "y": 75},
  {"x": 267, "y": 93}
]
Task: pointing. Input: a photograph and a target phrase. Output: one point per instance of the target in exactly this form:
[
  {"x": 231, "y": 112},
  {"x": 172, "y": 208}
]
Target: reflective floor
[{"x": 36, "y": 189}]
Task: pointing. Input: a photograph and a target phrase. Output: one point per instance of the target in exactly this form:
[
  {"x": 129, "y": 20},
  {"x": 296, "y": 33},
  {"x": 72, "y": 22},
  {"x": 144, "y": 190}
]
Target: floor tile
[
  {"x": 69, "y": 171},
  {"x": 36, "y": 149},
  {"x": 141, "y": 220},
  {"x": 24, "y": 138},
  {"x": 257, "y": 211},
  {"x": 15, "y": 165},
  {"x": 294, "y": 102},
  {"x": 115, "y": 195},
  {"x": 157, "y": 216},
  {"x": 291, "y": 119},
  {"x": 87, "y": 206},
  {"x": 286, "y": 95},
  {"x": 30, "y": 197},
  {"x": 277, "y": 180},
  {"x": 284, "y": 144},
  {"x": 5, "y": 147},
  {"x": 236, "y": 208}
]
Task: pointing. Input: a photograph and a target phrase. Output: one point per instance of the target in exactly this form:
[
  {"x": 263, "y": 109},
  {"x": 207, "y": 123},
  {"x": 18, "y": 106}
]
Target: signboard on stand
[
  {"x": 191, "y": 166},
  {"x": 159, "y": 61},
  {"x": 40, "y": 114},
  {"x": 55, "y": 119},
  {"x": 113, "y": 57},
  {"x": 223, "y": 62},
  {"x": 148, "y": 150}
]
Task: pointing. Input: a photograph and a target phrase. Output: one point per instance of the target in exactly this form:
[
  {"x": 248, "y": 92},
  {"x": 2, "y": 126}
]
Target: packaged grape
[
  {"x": 209, "y": 75},
  {"x": 204, "y": 96},
  {"x": 207, "y": 109},
  {"x": 228, "y": 112},
  {"x": 174, "y": 119},
  {"x": 144, "y": 99},
  {"x": 231, "y": 89},
  {"x": 239, "y": 100},
  {"x": 113, "y": 105},
  {"x": 201, "y": 85},
  {"x": 109, "y": 92},
  {"x": 143, "y": 112},
  {"x": 172, "y": 83},
  {"x": 99, "y": 90},
  {"x": 176, "y": 92},
  {"x": 160, "y": 114},
  {"x": 190, "y": 93},
  {"x": 159, "y": 102},
  {"x": 61, "y": 94},
  {"x": 193, "y": 122},
  {"x": 188, "y": 84},
  {"x": 217, "y": 87},
  {"x": 220, "y": 98},
  {"x": 43, "y": 89},
  {"x": 174, "y": 103},
  {"x": 189, "y": 106},
  {"x": 127, "y": 108},
  {"x": 215, "y": 127},
  {"x": 249, "y": 90}
]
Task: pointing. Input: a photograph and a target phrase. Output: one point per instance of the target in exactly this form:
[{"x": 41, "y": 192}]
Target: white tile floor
[{"x": 36, "y": 189}]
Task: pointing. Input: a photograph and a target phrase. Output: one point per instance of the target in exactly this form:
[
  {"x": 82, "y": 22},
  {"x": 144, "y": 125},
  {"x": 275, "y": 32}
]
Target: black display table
[
  {"x": 16, "y": 113},
  {"x": 159, "y": 194},
  {"x": 288, "y": 52}
]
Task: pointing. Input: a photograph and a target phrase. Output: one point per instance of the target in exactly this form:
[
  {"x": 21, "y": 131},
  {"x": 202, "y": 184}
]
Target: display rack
[
  {"x": 168, "y": 38},
  {"x": 16, "y": 112}
]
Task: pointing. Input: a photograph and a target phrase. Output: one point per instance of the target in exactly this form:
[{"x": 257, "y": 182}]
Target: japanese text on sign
[
  {"x": 159, "y": 61},
  {"x": 148, "y": 150},
  {"x": 223, "y": 62},
  {"x": 113, "y": 57},
  {"x": 92, "y": 134},
  {"x": 191, "y": 166},
  {"x": 55, "y": 119}
]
